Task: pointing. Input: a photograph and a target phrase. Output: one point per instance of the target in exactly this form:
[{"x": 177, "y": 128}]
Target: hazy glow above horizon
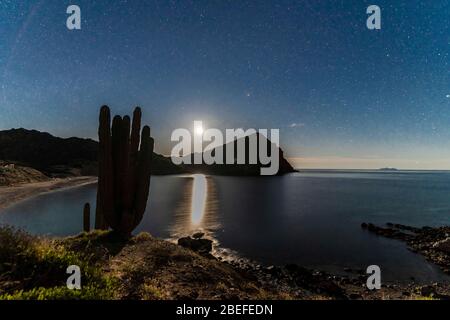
[
  {"x": 198, "y": 129},
  {"x": 369, "y": 163}
]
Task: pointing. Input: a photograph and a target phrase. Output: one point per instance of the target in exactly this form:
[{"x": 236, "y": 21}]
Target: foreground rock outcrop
[
  {"x": 202, "y": 246},
  {"x": 144, "y": 267}
]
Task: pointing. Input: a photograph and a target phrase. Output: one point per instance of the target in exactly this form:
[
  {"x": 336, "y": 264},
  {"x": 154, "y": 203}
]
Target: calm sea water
[{"x": 309, "y": 218}]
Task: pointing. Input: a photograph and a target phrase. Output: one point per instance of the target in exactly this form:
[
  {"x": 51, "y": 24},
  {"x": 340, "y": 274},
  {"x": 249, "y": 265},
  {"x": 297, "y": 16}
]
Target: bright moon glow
[
  {"x": 198, "y": 204},
  {"x": 198, "y": 127},
  {"x": 199, "y": 130}
]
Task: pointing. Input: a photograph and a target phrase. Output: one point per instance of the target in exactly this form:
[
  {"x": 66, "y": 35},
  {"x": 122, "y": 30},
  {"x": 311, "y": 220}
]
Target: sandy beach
[{"x": 14, "y": 194}]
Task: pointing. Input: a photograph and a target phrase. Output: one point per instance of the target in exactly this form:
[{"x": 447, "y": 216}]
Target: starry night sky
[{"x": 343, "y": 96}]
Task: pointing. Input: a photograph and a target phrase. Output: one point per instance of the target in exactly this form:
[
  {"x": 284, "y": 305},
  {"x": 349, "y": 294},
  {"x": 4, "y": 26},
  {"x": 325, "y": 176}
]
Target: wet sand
[{"x": 13, "y": 194}]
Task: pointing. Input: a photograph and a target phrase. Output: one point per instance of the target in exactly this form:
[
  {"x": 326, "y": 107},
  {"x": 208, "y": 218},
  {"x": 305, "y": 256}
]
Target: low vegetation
[
  {"x": 146, "y": 268},
  {"x": 35, "y": 268},
  {"x": 141, "y": 267}
]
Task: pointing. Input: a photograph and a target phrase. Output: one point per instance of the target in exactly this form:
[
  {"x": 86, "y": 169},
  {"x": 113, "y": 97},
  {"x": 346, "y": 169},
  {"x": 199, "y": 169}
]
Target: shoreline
[
  {"x": 11, "y": 195},
  {"x": 300, "y": 282},
  {"x": 431, "y": 243},
  {"x": 144, "y": 267},
  {"x": 291, "y": 280}
]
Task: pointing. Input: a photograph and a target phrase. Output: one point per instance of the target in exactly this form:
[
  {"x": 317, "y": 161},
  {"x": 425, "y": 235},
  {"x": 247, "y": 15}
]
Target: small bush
[{"x": 15, "y": 246}]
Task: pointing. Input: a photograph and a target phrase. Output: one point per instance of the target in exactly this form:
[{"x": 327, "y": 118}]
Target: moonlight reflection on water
[
  {"x": 312, "y": 218},
  {"x": 198, "y": 201},
  {"x": 197, "y": 211}
]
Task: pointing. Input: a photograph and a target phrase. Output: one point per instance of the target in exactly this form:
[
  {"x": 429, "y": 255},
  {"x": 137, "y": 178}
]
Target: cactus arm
[
  {"x": 105, "y": 180},
  {"x": 143, "y": 174}
]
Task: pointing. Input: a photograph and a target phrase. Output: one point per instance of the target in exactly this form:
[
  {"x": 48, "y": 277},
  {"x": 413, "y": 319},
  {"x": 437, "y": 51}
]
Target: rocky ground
[
  {"x": 145, "y": 267},
  {"x": 13, "y": 174},
  {"x": 297, "y": 282}
]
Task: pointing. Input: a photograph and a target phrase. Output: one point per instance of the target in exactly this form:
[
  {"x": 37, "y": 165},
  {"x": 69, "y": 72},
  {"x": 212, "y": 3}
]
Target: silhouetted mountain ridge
[
  {"x": 245, "y": 169},
  {"x": 61, "y": 156},
  {"x": 78, "y": 156}
]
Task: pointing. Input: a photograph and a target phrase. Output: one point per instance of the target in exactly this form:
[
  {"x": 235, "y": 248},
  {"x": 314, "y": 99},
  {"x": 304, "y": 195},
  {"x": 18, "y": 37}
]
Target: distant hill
[
  {"x": 75, "y": 156},
  {"x": 60, "y": 157},
  {"x": 240, "y": 169}
]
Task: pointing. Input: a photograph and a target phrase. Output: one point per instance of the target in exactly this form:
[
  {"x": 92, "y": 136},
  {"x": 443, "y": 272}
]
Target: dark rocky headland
[{"x": 62, "y": 157}]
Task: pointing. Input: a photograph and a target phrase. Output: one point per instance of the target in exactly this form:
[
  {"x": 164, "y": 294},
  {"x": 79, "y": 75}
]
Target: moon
[{"x": 198, "y": 129}]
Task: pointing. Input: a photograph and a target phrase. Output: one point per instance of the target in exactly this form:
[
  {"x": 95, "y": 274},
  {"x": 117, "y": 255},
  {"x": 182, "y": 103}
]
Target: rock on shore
[{"x": 433, "y": 243}]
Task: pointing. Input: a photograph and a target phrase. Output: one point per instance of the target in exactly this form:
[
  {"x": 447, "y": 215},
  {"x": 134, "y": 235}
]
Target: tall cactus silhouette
[{"x": 124, "y": 172}]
